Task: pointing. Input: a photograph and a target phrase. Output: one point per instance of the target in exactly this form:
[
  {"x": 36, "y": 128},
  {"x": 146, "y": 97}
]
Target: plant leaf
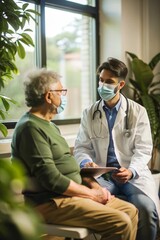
[
  {"x": 3, "y": 129},
  {"x": 148, "y": 103},
  {"x": 132, "y": 55},
  {"x": 5, "y": 104},
  {"x": 154, "y": 61},
  {"x": 21, "y": 50},
  {"x": 24, "y": 6},
  {"x": 143, "y": 74},
  {"x": 8, "y": 99},
  {"x": 135, "y": 84},
  {"x": 27, "y": 38},
  {"x": 2, "y": 114}
]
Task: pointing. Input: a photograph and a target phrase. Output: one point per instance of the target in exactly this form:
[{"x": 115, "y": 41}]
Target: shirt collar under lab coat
[{"x": 117, "y": 106}]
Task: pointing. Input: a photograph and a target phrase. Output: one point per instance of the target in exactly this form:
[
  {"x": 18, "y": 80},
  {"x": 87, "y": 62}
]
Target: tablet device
[{"x": 97, "y": 171}]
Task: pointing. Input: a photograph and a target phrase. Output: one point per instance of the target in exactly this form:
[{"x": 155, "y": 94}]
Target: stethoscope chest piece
[{"x": 127, "y": 133}]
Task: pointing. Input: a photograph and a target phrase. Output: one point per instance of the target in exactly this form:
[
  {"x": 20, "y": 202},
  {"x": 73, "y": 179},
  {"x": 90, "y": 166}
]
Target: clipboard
[{"x": 96, "y": 171}]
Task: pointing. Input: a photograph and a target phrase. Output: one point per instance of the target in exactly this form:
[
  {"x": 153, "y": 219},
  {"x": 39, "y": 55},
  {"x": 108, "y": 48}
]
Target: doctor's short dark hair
[{"x": 117, "y": 67}]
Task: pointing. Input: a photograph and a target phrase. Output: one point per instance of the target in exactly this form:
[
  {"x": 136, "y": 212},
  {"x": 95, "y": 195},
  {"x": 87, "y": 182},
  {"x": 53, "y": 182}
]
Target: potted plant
[{"x": 145, "y": 83}]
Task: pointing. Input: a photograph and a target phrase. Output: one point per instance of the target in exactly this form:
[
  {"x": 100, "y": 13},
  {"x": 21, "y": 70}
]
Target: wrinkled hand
[
  {"x": 102, "y": 195},
  {"x": 91, "y": 164},
  {"x": 123, "y": 175}
]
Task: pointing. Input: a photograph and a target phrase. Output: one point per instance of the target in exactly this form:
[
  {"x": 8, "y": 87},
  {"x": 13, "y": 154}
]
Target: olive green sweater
[{"x": 39, "y": 145}]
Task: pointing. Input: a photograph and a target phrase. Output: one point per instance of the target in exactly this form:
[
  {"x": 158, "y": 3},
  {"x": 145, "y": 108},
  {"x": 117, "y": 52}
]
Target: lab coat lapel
[{"x": 121, "y": 113}]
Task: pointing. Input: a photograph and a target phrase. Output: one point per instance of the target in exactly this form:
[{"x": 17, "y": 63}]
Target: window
[
  {"x": 66, "y": 42},
  {"x": 85, "y": 2}
]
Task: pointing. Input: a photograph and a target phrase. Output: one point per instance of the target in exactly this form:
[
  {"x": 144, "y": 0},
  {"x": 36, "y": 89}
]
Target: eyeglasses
[{"x": 62, "y": 91}]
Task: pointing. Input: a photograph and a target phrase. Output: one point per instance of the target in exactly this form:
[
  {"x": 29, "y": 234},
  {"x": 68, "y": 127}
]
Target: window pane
[
  {"x": 84, "y": 2},
  {"x": 70, "y": 46},
  {"x": 14, "y": 87},
  {"x": 70, "y": 52}
]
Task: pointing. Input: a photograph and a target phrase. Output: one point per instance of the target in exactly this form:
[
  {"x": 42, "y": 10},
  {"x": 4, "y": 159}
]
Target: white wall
[
  {"x": 136, "y": 28},
  {"x": 141, "y": 28},
  {"x": 110, "y": 29}
]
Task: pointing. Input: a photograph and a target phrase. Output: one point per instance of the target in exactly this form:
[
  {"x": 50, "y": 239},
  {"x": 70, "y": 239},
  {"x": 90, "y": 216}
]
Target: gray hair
[{"x": 37, "y": 84}]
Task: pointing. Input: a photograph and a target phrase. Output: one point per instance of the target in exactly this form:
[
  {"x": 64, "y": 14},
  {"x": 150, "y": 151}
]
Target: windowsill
[{"x": 69, "y": 132}]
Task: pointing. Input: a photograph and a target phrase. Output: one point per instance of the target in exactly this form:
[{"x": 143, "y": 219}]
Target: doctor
[{"x": 115, "y": 131}]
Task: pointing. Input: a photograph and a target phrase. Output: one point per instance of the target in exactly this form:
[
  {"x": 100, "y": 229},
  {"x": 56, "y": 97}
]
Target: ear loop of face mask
[{"x": 62, "y": 105}]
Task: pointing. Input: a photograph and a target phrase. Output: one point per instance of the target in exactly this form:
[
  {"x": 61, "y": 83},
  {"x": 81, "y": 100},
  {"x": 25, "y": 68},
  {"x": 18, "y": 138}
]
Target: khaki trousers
[{"x": 117, "y": 220}]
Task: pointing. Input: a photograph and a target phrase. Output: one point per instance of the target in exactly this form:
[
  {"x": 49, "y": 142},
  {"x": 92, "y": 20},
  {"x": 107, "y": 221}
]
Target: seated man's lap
[{"x": 75, "y": 211}]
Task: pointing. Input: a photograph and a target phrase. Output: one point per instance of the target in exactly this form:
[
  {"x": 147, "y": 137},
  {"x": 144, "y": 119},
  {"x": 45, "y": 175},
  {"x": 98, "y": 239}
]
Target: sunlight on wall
[{"x": 110, "y": 29}]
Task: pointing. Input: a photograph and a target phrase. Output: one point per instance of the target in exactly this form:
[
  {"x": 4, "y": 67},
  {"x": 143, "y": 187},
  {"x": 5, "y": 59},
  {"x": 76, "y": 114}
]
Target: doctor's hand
[
  {"x": 123, "y": 175},
  {"x": 91, "y": 164}
]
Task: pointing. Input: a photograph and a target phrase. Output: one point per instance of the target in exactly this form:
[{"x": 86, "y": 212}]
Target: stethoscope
[{"x": 127, "y": 131}]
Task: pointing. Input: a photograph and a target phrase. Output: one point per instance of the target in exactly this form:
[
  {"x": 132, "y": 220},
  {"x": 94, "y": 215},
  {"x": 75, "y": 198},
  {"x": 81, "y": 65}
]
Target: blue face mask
[
  {"x": 61, "y": 107},
  {"x": 107, "y": 91}
]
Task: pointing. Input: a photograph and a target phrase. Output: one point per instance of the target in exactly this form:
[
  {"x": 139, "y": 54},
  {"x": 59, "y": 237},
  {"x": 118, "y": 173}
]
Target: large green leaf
[
  {"x": 148, "y": 103},
  {"x": 146, "y": 90},
  {"x": 132, "y": 55},
  {"x": 135, "y": 84},
  {"x": 154, "y": 61},
  {"x": 143, "y": 74}
]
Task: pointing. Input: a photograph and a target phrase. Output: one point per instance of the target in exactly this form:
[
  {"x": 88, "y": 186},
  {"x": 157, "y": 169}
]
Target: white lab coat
[{"x": 133, "y": 151}]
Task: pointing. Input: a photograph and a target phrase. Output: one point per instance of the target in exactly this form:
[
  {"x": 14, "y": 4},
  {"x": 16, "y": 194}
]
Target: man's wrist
[
  {"x": 83, "y": 163},
  {"x": 133, "y": 173}
]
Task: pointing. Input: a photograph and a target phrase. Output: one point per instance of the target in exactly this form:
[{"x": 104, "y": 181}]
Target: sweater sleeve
[{"x": 35, "y": 151}]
